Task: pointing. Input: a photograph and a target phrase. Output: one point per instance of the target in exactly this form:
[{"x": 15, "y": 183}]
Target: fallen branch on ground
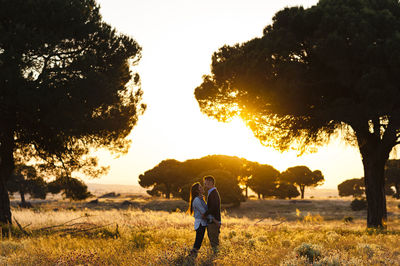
[
  {"x": 78, "y": 231},
  {"x": 21, "y": 228},
  {"x": 60, "y": 225},
  {"x": 271, "y": 225},
  {"x": 278, "y": 223}
]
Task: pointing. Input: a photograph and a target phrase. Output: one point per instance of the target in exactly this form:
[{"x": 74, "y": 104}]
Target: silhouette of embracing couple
[{"x": 206, "y": 215}]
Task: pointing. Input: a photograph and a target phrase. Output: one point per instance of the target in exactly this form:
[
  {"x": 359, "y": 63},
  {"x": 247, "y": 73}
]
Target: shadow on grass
[
  {"x": 183, "y": 257},
  {"x": 187, "y": 259}
]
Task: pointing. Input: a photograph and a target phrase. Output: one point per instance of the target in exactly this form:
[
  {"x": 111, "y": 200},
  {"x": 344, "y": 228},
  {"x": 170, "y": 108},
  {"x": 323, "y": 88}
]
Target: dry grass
[{"x": 269, "y": 232}]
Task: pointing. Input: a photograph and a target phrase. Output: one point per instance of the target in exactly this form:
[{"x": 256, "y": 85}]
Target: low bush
[
  {"x": 310, "y": 251},
  {"x": 359, "y": 204},
  {"x": 348, "y": 219}
]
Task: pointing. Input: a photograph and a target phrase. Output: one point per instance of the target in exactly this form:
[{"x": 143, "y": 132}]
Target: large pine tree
[
  {"x": 316, "y": 71},
  {"x": 66, "y": 86}
]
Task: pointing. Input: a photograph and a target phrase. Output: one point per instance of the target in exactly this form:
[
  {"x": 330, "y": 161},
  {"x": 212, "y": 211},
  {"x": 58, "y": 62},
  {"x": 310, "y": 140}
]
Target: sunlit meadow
[{"x": 159, "y": 232}]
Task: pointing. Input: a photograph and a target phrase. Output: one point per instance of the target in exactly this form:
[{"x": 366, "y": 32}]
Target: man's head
[{"x": 209, "y": 182}]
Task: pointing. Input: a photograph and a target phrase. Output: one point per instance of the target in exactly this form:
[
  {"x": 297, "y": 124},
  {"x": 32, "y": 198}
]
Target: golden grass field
[{"x": 144, "y": 231}]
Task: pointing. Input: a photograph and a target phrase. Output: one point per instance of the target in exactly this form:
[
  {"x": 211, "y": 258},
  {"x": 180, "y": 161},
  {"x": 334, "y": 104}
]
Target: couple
[{"x": 205, "y": 215}]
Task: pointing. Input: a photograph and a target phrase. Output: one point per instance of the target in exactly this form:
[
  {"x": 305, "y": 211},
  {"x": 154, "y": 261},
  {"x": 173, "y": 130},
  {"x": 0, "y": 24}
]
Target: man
[{"x": 213, "y": 213}]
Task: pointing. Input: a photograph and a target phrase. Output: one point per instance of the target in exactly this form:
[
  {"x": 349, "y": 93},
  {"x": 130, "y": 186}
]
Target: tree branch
[
  {"x": 46, "y": 60},
  {"x": 377, "y": 127},
  {"x": 41, "y": 155},
  {"x": 63, "y": 166},
  {"x": 21, "y": 228}
]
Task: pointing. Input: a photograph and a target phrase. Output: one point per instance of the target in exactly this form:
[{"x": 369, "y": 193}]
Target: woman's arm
[{"x": 197, "y": 205}]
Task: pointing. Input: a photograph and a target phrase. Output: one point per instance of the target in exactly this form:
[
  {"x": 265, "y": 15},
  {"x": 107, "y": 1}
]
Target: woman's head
[{"x": 195, "y": 191}]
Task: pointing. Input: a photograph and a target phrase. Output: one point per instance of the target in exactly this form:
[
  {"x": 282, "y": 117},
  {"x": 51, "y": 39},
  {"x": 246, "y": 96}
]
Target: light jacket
[{"x": 199, "y": 208}]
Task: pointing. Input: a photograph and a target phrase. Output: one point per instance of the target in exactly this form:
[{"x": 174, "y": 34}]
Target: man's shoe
[{"x": 193, "y": 253}]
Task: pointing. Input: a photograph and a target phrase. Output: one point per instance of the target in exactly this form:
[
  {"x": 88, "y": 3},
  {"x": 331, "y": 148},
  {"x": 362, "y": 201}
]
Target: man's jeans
[{"x": 213, "y": 234}]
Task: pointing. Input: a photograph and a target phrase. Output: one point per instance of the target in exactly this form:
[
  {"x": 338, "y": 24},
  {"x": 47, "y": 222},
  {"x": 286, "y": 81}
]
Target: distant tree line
[
  {"x": 28, "y": 180},
  {"x": 356, "y": 186},
  {"x": 234, "y": 176}
]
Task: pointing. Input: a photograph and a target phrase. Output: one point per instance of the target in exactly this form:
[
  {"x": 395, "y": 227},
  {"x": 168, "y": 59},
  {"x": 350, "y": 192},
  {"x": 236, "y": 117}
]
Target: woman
[{"x": 197, "y": 206}]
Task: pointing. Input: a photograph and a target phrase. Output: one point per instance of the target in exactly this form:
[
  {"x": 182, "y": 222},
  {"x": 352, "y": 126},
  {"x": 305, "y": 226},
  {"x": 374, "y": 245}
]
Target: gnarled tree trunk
[
  {"x": 375, "y": 191},
  {"x": 375, "y": 149},
  {"x": 168, "y": 191},
  {"x": 302, "y": 187},
  {"x": 23, "y": 201},
  {"x": 6, "y": 168},
  {"x": 5, "y": 212}
]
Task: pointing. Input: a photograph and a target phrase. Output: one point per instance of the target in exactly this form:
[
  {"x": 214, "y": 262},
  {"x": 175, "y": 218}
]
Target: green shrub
[
  {"x": 140, "y": 239},
  {"x": 310, "y": 251},
  {"x": 358, "y": 204},
  {"x": 348, "y": 219},
  {"x": 251, "y": 243},
  {"x": 231, "y": 234},
  {"x": 367, "y": 249}
]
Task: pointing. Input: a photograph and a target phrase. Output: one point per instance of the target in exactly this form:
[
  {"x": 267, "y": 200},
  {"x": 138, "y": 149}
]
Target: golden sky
[{"x": 178, "y": 38}]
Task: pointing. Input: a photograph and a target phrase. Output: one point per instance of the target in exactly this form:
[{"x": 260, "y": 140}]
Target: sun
[{"x": 236, "y": 139}]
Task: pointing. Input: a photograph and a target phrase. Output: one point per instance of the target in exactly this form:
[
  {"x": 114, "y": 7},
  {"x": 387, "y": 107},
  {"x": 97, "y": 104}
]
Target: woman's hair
[{"x": 194, "y": 192}]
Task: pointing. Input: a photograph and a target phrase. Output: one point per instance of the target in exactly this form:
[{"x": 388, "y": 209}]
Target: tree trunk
[
  {"x": 247, "y": 192},
  {"x": 375, "y": 149},
  {"x": 375, "y": 191},
  {"x": 168, "y": 192},
  {"x": 23, "y": 202},
  {"x": 302, "y": 191},
  {"x": 6, "y": 168},
  {"x": 259, "y": 195},
  {"x": 5, "y": 212}
]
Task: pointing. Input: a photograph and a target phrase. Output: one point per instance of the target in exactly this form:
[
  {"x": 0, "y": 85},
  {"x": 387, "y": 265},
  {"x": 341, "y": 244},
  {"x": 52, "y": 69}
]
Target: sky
[{"x": 178, "y": 38}]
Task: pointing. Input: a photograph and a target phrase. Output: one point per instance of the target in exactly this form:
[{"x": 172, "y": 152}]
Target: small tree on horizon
[
  {"x": 177, "y": 177},
  {"x": 246, "y": 175},
  {"x": 264, "y": 180},
  {"x": 286, "y": 190},
  {"x": 25, "y": 181},
  {"x": 166, "y": 177},
  {"x": 70, "y": 187},
  {"x": 302, "y": 177},
  {"x": 352, "y": 187}
]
